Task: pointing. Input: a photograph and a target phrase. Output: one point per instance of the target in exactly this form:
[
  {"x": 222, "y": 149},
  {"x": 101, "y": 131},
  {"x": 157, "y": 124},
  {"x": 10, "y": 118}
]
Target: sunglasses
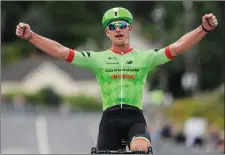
[{"x": 121, "y": 25}]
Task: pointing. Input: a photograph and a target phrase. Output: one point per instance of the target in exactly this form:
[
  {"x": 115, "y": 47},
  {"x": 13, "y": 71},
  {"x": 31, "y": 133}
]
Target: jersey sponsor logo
[
  {"x": 86, "y": 54},
  {"x": 129, "y": 62},
  {"x": 124, "y": 69},
  {"x": 156, "y": 50},
  {"x": 124, "y": 76},
  {"x": 112, "y": 63},
  {"x": 112, "y": 58}
]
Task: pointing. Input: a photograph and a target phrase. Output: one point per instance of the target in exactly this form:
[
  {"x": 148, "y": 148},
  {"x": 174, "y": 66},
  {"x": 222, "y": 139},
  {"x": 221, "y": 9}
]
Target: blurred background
[{"x": 50, "y": 106}]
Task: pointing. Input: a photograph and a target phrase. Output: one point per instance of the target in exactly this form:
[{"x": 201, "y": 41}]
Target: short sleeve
[
  {"x": 158, "y": 57},
  {"x": 82, "y": 58}
]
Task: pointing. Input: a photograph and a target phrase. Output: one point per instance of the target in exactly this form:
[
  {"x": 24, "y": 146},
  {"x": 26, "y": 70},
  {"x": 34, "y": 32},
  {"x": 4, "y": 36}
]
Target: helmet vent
[
  {"x": 115, "y": 10},
  {"x": 116, "y": 14}
]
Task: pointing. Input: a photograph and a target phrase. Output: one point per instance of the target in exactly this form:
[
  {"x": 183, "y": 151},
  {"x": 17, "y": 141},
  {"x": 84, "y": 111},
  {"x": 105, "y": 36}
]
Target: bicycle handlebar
[{"x": 95, "y": 151}]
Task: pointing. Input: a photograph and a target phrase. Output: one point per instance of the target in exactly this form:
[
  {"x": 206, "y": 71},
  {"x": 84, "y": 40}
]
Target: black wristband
[{"x": 204, "y": 29}]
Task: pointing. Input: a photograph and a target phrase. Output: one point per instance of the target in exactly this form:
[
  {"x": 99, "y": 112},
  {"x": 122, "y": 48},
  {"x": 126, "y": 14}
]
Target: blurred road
[{"x": 52, "y": 133}]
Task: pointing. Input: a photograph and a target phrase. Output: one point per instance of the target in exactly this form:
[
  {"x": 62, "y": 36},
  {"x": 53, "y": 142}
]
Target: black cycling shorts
[{"x": 119, "y": 125}]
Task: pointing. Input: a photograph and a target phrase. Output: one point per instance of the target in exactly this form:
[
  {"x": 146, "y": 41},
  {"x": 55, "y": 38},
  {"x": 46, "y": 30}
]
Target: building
[{"x": 33, "y": 74}]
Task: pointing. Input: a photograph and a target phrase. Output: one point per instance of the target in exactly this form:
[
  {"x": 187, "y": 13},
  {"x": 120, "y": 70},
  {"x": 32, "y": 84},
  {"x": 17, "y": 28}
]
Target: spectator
[
  {"x": 20, "y": 103},
  {"x": 198, "y": 142},
  {"x": 194, "y": 130},
  {"x": 166, "y": 132},
  {"x": 220, "y": 144},
  {"x": 180, "y": 138}
]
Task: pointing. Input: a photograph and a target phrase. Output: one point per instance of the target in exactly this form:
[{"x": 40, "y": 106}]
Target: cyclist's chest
[
  {"x": 128, "y": 67},
  {"x": 120, "y": 61}
]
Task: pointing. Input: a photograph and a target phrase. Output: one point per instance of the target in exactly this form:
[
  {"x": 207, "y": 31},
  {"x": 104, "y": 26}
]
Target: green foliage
[
  {"x": 11, "y": 52},
  {"x": 71, "y": 23},
  {"x": 85, "y": 103},
  {"x": 209, "y": 106},
  {"x": 211, "y": 50},
  {"x": 30, "y": 98},
  {"x": 209, "y": 53},
  {"x": 47, "y": 96}
]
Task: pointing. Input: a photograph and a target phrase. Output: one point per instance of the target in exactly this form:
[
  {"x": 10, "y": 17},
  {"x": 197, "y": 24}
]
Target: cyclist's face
[{"x": 118, "y": 32}]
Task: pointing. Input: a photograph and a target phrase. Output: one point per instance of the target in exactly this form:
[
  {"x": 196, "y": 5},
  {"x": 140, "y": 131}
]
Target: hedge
[
  {"x": 48, "y": 97},
  {"x": 209, "y": 106},
  {"x": 84, "y": 103}
]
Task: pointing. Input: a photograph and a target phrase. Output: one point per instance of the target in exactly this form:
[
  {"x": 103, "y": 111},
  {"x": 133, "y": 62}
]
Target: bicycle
[
  {"x": 121, "y": 151},
  {"x": 95, "y": 151}
]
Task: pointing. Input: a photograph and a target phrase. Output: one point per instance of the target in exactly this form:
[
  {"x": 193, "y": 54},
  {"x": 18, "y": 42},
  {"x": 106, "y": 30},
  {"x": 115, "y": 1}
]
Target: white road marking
[
  {"x": 42, "y": 136},
  {"x": 93, "y": 131}
]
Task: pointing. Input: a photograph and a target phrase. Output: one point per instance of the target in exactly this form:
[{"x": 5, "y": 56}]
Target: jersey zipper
[{"x": 121, "y": 81}]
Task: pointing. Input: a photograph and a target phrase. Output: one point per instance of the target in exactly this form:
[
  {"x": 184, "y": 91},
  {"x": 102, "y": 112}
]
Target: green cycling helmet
[{"x": 117, "y": 13}]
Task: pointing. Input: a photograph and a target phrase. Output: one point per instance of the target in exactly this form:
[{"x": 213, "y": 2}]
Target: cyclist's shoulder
[
  {"x": 101, "y": 51},
  {"x": 145, "y": 51},
  {"x": 93, "y": 53}
]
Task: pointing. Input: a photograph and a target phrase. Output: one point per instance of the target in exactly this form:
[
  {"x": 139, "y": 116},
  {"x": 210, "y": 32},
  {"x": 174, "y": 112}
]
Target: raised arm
[
  {"x": 48, "y": 46},
  {"x": 186, "y": 42}
]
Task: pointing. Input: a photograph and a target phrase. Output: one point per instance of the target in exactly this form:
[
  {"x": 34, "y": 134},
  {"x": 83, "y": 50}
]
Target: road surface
[{"x": 57, "y": 134}]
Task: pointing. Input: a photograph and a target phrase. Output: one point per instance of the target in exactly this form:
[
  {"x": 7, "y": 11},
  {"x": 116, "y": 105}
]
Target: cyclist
[{"x": 121, "y": 73}]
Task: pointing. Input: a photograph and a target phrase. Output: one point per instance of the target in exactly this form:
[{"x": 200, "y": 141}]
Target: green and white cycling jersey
[{"x": 122, "y": 76}]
